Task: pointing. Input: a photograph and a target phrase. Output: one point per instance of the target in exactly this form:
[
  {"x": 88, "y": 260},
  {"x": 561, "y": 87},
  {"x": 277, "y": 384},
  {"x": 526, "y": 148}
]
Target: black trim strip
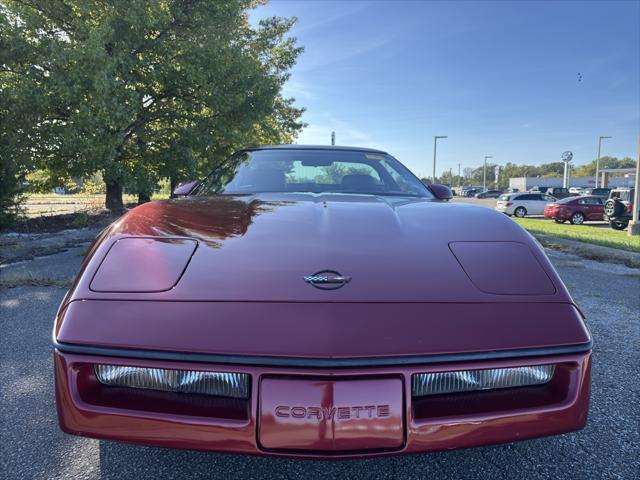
[{"x": 320, "y": 362}]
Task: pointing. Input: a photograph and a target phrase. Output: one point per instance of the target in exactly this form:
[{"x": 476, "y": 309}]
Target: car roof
[
  {"x": 534, "y": 192},
  {"x": 577, "y": 197},
  {"x": 314, "y": 147}
]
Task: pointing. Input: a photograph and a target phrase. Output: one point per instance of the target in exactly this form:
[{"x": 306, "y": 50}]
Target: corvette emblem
[
  {"x": 327, "y": 280},
  {"x": 333, "y": 413}
]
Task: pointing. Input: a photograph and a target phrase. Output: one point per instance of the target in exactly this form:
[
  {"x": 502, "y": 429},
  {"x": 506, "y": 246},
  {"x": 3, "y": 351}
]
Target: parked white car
[{"x": 523, "y": 204}]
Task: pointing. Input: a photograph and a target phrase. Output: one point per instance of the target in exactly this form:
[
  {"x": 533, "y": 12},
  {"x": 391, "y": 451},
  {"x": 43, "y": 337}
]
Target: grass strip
[{"x": 596, "y": 235}]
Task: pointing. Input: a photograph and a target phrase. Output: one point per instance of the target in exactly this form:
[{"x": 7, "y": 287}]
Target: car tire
[
  {"x": 559, "y": 221},
  {"x": 619, "y": 224},
  {"x": 613, "y": 208},
  {"x": 577, "y": 218},
  {"x": 520, "y": 212}
]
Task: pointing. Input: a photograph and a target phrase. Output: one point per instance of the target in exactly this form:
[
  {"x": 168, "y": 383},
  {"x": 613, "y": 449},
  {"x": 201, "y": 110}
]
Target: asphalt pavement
[{"x": 31, "y": 445}]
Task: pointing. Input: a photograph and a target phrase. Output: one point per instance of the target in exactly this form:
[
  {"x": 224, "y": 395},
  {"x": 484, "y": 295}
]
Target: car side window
[{"x": 546, "y": 198}]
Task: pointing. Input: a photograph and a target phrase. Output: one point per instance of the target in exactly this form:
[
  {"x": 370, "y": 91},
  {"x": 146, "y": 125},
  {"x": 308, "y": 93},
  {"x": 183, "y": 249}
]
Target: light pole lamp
[
  {"x": 598, "y": 157},
  {"x": 484, "y": 174},
  {"x": 435, "y": 147}
]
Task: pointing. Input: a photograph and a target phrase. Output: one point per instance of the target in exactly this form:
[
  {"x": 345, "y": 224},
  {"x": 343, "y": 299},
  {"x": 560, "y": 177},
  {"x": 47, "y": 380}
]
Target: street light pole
[
  {"x": 484, "y": 175},
  {"x": 459, "y": 179},
  {"x": 598, "y": 158},
  {"x": 435, "y": 146}
]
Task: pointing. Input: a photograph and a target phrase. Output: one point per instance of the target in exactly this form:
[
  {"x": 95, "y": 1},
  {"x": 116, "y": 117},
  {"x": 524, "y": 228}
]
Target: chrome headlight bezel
[
  {"x": 460, "y": 381},
  {"x": 200, "y": 382}
]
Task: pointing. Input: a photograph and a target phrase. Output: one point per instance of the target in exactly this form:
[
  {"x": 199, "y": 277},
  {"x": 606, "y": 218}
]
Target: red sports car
[
  {"x": 318, "y": 302},
  {"x": 576, "y": 210}
]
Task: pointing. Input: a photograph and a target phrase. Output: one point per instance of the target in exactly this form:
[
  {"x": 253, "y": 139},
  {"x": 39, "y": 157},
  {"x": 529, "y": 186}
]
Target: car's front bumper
[{"x": 86, "y": 407}]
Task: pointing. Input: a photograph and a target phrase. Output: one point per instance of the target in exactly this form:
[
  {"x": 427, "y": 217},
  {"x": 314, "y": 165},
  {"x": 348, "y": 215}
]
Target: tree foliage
[{"x": 140, "y": 90}]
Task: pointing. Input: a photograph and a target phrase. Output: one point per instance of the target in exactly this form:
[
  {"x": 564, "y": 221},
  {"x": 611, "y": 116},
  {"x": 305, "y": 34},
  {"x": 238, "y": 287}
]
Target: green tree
[
  {"x": 589, "y": 170},
  {"x": 142, "y": 89}
]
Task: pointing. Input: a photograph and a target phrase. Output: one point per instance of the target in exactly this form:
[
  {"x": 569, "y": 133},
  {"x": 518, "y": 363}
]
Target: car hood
[{"x": 259, "y": 248}]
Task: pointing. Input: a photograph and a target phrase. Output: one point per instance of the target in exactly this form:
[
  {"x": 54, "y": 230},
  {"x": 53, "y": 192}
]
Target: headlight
[
  {"x": 222, "y": 384},
  {"x": 470, "y": 380}
]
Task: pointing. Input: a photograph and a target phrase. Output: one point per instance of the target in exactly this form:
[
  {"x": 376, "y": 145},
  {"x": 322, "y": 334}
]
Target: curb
[{"x": 590, "y": 251}]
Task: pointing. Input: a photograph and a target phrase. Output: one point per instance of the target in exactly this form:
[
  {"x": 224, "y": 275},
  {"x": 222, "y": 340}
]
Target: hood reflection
[{"x": 208, "y": 219}]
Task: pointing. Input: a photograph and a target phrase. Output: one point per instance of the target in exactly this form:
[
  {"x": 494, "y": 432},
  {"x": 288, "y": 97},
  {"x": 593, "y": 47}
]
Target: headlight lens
[
  {"x": 222, "y": 384},
  {"x": 471, "y": 380}
]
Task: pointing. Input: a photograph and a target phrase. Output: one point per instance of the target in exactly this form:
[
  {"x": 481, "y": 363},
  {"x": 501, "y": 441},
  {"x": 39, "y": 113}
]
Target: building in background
[{"x": 609, "y": 177}]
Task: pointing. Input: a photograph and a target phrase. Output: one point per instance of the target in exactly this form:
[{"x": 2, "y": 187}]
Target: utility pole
[
  {"x": 598, "y": 158},
  {"x": 566, "y": 158},
  {"x": 484, "y": 173},
  {"x": 333, "y": 138},
  {"x": 435, "y": 147},
  {"x": 459, "y": 178},
  {"x": 634, "y": 224}
]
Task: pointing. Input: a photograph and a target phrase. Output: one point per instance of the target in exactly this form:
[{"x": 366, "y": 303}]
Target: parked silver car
[{"x": 523, "y": 204}]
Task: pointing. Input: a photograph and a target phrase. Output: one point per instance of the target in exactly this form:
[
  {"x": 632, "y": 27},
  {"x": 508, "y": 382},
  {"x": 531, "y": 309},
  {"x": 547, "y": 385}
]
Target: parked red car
[
  {"x": 318, "y": 302},
  {"x": 576, "y": 210}
]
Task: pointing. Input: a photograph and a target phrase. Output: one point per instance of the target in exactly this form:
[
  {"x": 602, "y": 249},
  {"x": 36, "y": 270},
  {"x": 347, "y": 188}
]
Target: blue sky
[{"x": 499, "y": 78}]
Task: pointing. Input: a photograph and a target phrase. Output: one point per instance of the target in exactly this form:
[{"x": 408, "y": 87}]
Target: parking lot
[{"x": 33, "y": 447}]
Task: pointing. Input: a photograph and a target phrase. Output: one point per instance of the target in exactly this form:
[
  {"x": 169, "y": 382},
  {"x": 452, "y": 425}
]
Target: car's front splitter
[{"x": 402, "y": 424}]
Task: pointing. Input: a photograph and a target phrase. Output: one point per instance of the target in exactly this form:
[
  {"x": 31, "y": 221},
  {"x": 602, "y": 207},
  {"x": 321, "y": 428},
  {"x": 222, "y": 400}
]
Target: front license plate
[{"x": 331, "y": 415}]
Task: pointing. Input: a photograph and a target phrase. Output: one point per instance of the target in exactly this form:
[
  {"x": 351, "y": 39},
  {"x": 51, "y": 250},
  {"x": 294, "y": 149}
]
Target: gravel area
[{"x": 31, "y": 446}]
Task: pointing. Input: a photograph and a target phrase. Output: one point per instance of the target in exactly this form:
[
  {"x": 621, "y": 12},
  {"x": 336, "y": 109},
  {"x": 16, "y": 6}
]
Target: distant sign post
[{"x": 566, "y": 158}]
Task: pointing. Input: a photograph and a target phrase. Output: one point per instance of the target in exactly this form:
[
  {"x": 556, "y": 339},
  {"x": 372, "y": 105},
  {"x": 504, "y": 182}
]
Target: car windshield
[{"x": 312, "y": 171}]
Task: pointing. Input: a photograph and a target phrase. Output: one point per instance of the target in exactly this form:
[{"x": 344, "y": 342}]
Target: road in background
[
  {"x": 483, "y": 202},
  {"x": 31, "y": 445}
]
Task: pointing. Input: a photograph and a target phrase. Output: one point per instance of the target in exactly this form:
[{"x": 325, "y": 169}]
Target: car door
[
  {"x": 595, "y": 208},
  {"x": 584, "y": 206},
  {"x": 536, "y": 203},
  {"x": 521, "y": 201}
]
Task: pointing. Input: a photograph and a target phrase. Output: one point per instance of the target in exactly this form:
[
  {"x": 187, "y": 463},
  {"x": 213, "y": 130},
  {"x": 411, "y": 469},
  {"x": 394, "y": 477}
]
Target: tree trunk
[
  {"x": 143, "y": 197},
  {"x": 113, "y": 200},
  {"x": 173, "y": 183}
]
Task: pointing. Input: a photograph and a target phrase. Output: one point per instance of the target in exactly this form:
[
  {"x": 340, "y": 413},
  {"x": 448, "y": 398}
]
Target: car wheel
[
  {"x": 577, "y": 218},
  {"x": 559, "y": 221},
  {"x": 619, "y": 224},
  {"x": 613, "y": 208},
  {"x": 520, "y": 212}
]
